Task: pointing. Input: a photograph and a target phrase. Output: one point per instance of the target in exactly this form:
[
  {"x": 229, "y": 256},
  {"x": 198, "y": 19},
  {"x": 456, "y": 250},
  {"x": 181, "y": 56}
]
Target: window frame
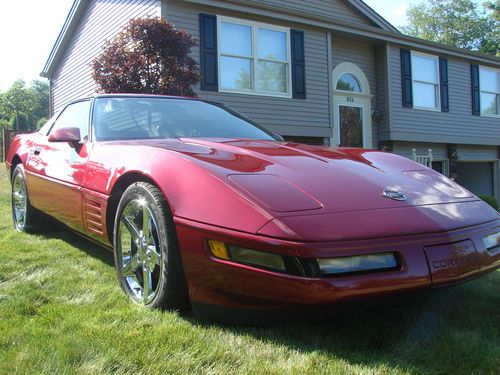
[
  {"x": 497, "y": 71},
  {"x": 255, "y": 26},
  {"x": 437, "y": 84}
]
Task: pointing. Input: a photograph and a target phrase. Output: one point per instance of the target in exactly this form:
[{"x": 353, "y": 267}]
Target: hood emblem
[{"x": 394, "y": 195}]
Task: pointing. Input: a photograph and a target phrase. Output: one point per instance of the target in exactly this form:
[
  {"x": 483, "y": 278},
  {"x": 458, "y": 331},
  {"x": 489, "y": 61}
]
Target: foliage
[
  {"x": 40, "y": 92},
  {"x": 490, "y": 200},
  {"x": 62, "y": 311},
  {"x": 22, "y": 107},
  {"x": 41, "y": 122},
  {"x": 20, "y": 122},
  {"x": 148, "y": 56},
  {"x": 456, "y": 22}
]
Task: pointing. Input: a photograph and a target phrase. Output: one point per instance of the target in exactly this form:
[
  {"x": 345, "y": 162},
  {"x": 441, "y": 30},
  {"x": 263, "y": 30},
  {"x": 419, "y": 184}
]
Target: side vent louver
[{"x": 93, "y": 217}]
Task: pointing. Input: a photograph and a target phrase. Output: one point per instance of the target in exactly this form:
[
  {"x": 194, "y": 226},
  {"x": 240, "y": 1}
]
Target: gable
[
  {"x": 354, "y": 12},
  {"x": 334, "y": 9}
]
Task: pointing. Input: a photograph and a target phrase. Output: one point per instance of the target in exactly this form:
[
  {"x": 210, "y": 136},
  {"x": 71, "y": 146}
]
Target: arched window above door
[
  {"x": 349, "y": 77},
  {"x": 349, "y": 82}
]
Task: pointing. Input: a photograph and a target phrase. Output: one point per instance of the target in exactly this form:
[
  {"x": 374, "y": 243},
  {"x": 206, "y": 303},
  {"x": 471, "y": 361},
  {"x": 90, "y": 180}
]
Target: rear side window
[{"x": 75, "y": 115}]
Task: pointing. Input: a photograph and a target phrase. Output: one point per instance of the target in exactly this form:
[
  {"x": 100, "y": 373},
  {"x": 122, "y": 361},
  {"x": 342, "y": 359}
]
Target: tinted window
[
  {"x": 75, "y": 116},
  {"x": 155, "y": 118}
]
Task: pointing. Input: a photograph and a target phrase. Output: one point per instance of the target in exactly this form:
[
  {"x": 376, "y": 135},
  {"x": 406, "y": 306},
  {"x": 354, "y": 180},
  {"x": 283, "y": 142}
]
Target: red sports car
[{"x": 201, "y": 205}]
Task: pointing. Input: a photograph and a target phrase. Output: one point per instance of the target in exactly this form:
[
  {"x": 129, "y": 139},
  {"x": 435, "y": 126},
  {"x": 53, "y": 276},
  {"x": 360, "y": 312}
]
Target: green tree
[
  {"x": 32, "y": 101},
  {"x": 20, "y": 122},
  {"x": 459, "y": 23},
  {"x": 18, "y": 100},
  {"x": 40, "y": 91}
]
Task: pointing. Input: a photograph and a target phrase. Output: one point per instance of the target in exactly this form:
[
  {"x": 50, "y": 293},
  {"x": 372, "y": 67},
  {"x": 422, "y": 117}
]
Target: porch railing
[{"x": 425, "y": 159}]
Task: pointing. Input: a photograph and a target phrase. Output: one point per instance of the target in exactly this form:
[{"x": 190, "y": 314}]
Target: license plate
[{"x": 452, "y": 262}]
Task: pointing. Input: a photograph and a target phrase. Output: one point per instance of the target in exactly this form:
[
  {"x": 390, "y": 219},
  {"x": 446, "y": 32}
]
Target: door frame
[
  {"x": 339, "y": 104},
  {"x": 352, "y": 99}
]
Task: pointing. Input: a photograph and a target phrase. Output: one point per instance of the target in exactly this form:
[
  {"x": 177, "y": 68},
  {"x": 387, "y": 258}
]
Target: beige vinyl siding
[
  {"x": 102, "y": 20},
  {"x": 456, "y": 126},
  {"x": 309, "y": 117}
]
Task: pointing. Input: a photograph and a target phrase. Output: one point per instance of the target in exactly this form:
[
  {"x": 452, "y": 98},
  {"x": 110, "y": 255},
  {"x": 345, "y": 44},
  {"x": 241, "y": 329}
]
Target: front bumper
[{"x": 428, "y": 260}]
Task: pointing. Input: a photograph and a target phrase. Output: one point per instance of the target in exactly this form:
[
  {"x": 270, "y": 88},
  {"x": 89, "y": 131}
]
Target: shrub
[
  {"x": 148, "y": 56},
  {"x": 41, "y": 122},
  {"x": 490, "y": 200}
]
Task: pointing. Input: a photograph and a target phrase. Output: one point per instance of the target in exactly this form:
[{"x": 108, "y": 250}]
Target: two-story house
[{"x": 316, "y": 71}]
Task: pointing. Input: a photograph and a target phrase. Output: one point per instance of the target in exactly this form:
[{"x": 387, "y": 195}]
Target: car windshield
[{"x": 125, "y": 118}]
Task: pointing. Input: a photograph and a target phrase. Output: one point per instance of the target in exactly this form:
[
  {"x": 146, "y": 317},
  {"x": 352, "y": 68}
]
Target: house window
[
  {"x": 425, "y": 78},
  {"x": 489, "y": 83},
  {"x": 348, "y": 82},
  {"x": 254, "y": 58}
]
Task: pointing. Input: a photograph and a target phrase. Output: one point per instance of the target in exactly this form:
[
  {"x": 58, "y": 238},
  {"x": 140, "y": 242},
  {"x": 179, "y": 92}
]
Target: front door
[
  {"x": 351, "y": 107},
  {"x": 350, "y": 126},
  {"x": 55, "y": 170}
]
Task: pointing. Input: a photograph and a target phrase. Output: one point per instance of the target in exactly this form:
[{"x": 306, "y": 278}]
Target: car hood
[{"x": 288, "y": 177}]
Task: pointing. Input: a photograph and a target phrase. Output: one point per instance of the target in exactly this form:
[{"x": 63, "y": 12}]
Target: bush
[
  {"x": 41, "y": 122},
  {"x": 490, "y": 200},
  {"x": 149, "y": 56}
]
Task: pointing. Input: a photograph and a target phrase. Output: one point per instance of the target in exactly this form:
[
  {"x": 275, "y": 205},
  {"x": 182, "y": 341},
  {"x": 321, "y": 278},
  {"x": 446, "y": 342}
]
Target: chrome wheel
[
  {"x": 138, "y": 251},
  {"x": 19, "y": 201}
]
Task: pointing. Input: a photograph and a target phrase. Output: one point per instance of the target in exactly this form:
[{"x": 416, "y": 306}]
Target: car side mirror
[
  {"x": 278, "y": 137},
  {"x": 69, "y": 135}
]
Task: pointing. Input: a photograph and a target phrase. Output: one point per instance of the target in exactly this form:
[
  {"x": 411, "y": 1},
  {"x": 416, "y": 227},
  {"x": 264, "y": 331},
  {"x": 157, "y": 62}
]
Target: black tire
[
  {"x": 136, "y": 250},
  {"x": 25, "y": 217}
]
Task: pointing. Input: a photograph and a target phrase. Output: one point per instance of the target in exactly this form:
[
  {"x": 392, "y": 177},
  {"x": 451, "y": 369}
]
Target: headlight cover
[
  {"x": 358, "y": 263},
  {"x": 492, "y": 242}
]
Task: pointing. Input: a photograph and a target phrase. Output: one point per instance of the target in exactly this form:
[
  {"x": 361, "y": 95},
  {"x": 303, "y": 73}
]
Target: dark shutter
[
  {"x": 208, "y": 49},
  {"x": 443, "y": 80},
  {"x": 406, "y": 78},
  {"x": 476, "y": 101},
  {"x": 298, "y": 65}
]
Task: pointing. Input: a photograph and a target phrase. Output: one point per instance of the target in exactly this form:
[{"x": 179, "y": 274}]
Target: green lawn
[{"x": 61, "y": 311}]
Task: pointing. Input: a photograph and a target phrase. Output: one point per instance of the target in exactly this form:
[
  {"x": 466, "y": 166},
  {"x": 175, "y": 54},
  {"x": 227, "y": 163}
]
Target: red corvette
[{"x": 202, "y": 205}]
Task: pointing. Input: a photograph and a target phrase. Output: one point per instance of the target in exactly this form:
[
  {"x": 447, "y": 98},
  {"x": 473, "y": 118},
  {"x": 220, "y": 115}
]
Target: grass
[{"x": 61, "y": 311}]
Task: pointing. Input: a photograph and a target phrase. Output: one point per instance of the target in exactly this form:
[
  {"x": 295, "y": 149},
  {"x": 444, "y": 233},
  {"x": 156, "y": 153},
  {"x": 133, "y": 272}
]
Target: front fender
[{"x": 192, "y": 191}]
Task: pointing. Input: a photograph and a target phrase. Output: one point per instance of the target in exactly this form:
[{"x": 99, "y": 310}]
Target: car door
[{"x": 55, "y": 170}]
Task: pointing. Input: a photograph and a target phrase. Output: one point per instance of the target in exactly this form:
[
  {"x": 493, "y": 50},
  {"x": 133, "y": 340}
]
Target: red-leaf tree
[{"x": 148, "y": 56}]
